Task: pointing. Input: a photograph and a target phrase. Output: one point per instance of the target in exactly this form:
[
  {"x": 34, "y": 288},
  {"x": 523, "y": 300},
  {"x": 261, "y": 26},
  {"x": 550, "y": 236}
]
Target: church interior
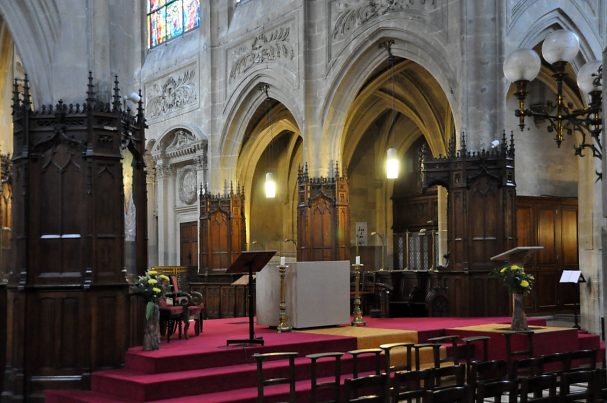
[{"x": 356, "y": 176}]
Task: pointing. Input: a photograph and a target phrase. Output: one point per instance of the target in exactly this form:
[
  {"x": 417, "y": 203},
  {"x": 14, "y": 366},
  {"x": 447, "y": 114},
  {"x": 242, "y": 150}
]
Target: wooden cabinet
[
  {"x": 221, "y": 298},
  {"x": 552, "y": 223}
]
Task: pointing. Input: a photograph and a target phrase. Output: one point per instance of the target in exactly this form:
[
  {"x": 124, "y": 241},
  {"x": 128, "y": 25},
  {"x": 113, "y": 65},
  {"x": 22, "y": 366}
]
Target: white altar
[{"x": 317, "y": 294}]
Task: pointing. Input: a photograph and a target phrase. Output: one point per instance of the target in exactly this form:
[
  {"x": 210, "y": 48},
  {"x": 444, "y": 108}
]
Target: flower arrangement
[
  {"x": 151, "y": 287},
  {"x": 515, "y": 278}
]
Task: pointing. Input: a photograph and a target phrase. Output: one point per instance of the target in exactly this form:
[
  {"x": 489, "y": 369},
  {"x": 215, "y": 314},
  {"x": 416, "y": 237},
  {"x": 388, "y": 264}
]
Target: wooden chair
[
  {"x": 358, "y": 354},
  {"x": 171, "y": 318},
  {"x": 587, "y": 377},
  {"x": 448, "y": 394},
  {"x": 486, "y": 372},
  {"x": 405, "y": 364},
  {"x": 470, "y": 345},
  {"x": 441, "y": 374},
  {"x": 496, "y": 390},
  {"x": 524, "y": 368},
  {"x": 335, "y": 384},
  {"x": 538, "y": 385},
  {"x": 582, "y": 359},
  {"x": 370, "y": 388},
  {"x": 526, "y": 352},
  {"x": 452, "y": 349},
  {"x": 194, "y": 302},
  {"x": 410, "y": 385},
  {"x": 262, "y": 382}
]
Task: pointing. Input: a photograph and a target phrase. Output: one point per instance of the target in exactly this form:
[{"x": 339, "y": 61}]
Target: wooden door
[
  {"x": 188, "y": 239},
  {"x": 552, "y": 223}
]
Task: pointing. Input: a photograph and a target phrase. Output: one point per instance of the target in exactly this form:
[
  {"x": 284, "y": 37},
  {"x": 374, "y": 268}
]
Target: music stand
[
  {"x": 250, "y": 262},
  {"x": 573, "y": 277}
]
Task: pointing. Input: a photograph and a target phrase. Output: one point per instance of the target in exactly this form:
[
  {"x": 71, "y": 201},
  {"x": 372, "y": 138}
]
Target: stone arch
[
  {"x": 35, "y": 27},
  {"x": 241, "y": 106},
  {"x": 355, "y": 68}
]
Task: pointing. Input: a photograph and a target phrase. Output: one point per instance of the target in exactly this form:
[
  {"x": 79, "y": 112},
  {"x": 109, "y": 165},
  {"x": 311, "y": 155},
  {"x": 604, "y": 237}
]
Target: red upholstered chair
[{"x": 193, "y": 301}]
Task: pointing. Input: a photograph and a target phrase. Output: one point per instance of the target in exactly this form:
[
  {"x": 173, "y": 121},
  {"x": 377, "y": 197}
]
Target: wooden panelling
[
  {"x": 222, "y": 229},
  {"x": 322, "y": 218},
  {"x": 67, "y": 312},
  {"x": 481, "y": 221},
  {"x": 221, "y": 298},
  {"x": 552, "y": 223},
  {"x": 188, "y": 240}
]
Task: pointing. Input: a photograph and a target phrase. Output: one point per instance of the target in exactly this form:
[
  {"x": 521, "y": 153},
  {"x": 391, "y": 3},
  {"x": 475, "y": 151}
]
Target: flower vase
[
  {"x": 519, "y": 319},
  {"x": 151, "y": 332}
]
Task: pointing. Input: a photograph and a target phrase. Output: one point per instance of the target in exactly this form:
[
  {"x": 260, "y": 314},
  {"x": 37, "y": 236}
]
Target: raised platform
[{"x": 205, "y": 369}]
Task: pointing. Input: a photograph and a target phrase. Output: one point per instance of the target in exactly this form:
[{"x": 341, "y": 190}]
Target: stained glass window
[{"x": 167, "y": 19}]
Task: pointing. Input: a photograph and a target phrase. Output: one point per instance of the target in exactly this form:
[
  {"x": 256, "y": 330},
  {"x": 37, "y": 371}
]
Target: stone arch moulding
[
  {"x": 524, "y": 35},
  {"x": 355, "y": 68},
  {"x": 34, "y": 27},
  {"x": 244, "y": 104}
]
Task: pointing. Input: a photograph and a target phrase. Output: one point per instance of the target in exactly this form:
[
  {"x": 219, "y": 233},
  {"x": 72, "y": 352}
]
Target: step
[
  {"x": 79, "y": 396},
  {"x": 177, "y": 360},
  {"x": 140, "y": 386}
]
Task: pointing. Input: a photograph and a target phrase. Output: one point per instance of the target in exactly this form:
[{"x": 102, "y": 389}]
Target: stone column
[{"x": 480, "y": 94}]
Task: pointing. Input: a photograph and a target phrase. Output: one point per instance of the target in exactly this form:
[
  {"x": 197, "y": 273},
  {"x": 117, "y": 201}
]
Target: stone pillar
[{"x": 481, "y": 100}]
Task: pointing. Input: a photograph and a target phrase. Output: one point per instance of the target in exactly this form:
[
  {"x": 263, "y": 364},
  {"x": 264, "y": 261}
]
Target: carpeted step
[
  {"x": 141, "y": 386},
  {"x": 216, "y": 353},
  {"x": 79, "y": 396}
]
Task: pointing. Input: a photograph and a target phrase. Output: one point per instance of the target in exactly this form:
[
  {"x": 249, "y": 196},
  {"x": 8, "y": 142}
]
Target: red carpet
[{"x": 203, "y": 368}]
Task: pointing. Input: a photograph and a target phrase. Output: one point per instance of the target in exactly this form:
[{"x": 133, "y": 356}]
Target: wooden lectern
[
  {"x": 519, "y": 255},
  {"x": 249, "y": 262}
]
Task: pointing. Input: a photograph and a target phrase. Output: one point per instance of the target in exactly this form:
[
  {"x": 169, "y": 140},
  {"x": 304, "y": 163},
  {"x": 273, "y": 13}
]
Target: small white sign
[{"x": 361, "y": 233}]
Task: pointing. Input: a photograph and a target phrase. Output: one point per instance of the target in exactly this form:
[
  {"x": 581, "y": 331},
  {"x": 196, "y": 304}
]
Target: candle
[
  {"x": 357, "y": 259},
  {"x": 282, "y": 260}
]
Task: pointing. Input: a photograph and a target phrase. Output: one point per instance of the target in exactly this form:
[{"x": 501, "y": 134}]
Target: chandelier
[{"x": 559, "y": 48}]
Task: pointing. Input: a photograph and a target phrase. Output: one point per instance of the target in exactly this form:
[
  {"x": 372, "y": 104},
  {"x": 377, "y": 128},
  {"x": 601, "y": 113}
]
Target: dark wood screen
[
  {"x": 323, "y": 218},
  {"x": 552, "y": 223},
  {"x": 188, "y": 241},
  {"x": 481, "y": 223},
  {"x": 222, "y": 229},
  {"x": 67, "y": 297}
]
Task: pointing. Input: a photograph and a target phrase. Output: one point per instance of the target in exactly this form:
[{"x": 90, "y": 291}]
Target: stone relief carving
[
  {"x": 187, "y": 185},
  {"x": 352, "y": 14},
  {"x": 130, "y": 221},
  {"x": 265, "y": 47},
  {"x": 171, "y": 95},
  {"x": 183, "y": 138}
]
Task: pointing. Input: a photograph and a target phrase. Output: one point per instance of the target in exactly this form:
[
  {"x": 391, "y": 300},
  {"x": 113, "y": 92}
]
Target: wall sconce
[
  {"x": 392, "y": 164},
  {"x": 558, "y": 49}
]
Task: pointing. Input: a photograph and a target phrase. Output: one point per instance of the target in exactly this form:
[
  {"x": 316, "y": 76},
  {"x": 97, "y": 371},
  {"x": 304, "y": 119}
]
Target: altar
[{"x": 317, "y": 294}]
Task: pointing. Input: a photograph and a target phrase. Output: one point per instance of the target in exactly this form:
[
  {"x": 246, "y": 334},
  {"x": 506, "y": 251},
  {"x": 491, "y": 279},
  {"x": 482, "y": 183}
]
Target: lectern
[
  {"x": 573, "y": 277},
  {"x": 249, "y": 262},
  {"x": 519, "y": 255}
]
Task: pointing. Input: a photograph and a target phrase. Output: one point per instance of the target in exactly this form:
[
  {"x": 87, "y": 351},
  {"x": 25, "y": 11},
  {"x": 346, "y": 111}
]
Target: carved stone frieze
[
  {"x": 267, "y": 46},
  {"x": 173, "y": 94},
  {"x": 351, "y": 14}
]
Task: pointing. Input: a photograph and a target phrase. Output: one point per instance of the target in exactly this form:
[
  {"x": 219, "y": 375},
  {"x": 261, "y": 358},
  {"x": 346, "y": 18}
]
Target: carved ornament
[
  {"x": 173, "y": 94},
  {"x": 187, "y": 185},
  {"x": 355, "y": 13},
  {"x": 265, "y": 47}
]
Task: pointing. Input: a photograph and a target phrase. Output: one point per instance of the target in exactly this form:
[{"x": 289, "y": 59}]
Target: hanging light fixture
[
  {"x": 392, "y": 162},
  {"x": 559, "y": 48},
  {"x": 270, "y": 186},
  {"x": 270, "y": 183}
]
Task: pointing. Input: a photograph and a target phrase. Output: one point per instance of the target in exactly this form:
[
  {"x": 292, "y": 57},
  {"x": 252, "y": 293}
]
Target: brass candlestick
[
  {"x": 358, "y": 313},
  {"x": 283, "y": 325}
]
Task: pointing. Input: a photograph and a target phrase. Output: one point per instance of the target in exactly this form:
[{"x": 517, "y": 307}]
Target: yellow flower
[
  {"x": 503, "y": 270},
  {"x": 157, "y": 290},
  {"x": 163, "y": 277},
  {"x": 152, "y": 281},
  {"x": 152, "y": 272},
  {"x": 524, "y": 283},
  {"x": 516, "y": 267}
]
